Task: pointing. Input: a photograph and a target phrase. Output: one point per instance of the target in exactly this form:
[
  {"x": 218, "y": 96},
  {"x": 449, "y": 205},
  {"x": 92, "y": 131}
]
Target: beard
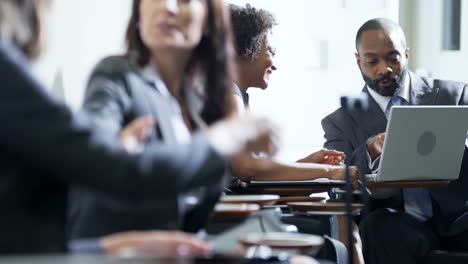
[{"x": 394, "y": 83}]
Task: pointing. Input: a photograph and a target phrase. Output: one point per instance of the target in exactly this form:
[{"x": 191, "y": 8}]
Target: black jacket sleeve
[
  {"x": 335, "y": 138},
  {"x": 42, "y": 133}
]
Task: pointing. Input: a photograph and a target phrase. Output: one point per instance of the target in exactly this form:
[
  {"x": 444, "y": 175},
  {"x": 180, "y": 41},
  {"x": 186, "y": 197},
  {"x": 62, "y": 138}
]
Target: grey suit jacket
[
  {"x": 423, "y": 91},
  {"x": 117, "y": 93}
]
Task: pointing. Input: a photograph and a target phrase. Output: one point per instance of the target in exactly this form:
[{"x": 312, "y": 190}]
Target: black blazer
[
  {"x": 450, "y": 202},
  {"x": 44, "y": 148},
  {"x": 116, "y": 94}
]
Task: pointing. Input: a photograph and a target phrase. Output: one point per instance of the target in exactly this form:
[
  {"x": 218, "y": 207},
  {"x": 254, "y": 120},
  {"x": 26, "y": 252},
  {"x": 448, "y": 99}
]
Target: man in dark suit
[{"x": 419, "y": 219}]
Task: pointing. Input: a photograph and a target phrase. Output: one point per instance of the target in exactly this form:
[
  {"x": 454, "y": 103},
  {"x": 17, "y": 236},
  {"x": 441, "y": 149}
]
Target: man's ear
[
  {"x": 407, "y": 52},
  {"x": 358, "y": 59}
]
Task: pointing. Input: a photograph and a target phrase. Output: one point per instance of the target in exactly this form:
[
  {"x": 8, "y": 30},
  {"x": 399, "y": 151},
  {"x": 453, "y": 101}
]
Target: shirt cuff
[{"x": 373, "y": 164}]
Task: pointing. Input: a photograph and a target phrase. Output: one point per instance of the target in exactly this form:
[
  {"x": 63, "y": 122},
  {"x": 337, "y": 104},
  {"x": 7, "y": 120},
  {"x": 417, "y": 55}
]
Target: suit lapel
[
  {"x": 371, "y": 122},
  {"x": 374, "y": 121},
  {"x": 421, "y": 92},
  {"x": 195, "y": 105},
  {"x": 162, "y": 111},
  {"x": 155, "y": 104}
]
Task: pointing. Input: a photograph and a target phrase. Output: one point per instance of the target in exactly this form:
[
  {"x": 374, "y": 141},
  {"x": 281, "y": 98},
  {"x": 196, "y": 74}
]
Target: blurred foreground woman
[
  {"x": 177, "y": 72},
  {"x": 44, "y": 148}
]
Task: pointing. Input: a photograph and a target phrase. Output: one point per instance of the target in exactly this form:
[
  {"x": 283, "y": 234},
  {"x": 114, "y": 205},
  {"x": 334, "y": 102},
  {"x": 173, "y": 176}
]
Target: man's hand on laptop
[{"x": 375, "y": 145}]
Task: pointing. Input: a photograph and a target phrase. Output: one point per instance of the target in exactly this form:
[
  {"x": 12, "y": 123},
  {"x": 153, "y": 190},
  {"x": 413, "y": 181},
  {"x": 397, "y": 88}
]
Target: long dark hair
[
  {"x": 212, "y": 57},
  {"x": 20, "y": 24}
]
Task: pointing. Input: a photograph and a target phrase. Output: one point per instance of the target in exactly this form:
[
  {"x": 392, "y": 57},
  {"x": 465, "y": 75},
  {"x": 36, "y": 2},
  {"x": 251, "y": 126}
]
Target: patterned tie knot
[{"x": 396, "y": 100}]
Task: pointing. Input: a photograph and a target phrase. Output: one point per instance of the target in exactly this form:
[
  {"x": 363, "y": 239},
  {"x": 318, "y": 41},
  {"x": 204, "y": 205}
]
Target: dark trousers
[{"x": 396, "y": 237}]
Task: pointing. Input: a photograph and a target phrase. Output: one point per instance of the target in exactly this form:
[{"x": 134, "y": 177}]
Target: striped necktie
[{"x": 396, "y": 100}]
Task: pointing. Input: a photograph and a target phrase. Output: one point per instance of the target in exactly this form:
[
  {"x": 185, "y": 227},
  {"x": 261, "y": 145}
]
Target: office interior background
[{"x": 315, "y": 53}]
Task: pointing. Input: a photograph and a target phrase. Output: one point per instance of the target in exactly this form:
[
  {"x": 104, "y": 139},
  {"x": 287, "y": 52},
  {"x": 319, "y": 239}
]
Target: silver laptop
[{"x": 423, "y": 143}]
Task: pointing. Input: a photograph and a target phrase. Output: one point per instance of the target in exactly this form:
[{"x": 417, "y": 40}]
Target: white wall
[
  {"x": 302, "y": 92},
  {"x": 427, "y": 53},
  {"x": 82, "y": 32},
  {"x": 315, "y": 57}
]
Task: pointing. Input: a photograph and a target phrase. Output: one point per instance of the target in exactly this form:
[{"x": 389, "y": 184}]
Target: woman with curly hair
[{"x": 252, "y": 29}]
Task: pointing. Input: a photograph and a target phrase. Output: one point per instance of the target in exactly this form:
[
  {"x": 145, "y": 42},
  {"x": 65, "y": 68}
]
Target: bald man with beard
[{"x": 419, "y": 219}]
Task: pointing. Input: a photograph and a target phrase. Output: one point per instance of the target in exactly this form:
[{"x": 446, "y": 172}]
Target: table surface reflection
[{"x": 94, "y": 259}]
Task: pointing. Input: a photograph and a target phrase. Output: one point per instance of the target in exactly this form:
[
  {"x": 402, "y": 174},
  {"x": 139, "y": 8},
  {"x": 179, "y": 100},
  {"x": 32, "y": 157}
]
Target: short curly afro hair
[{"x": 250, "y": 27}]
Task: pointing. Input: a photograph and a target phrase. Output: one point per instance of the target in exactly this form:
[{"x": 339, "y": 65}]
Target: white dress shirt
[{"x": 239, "y": 100}]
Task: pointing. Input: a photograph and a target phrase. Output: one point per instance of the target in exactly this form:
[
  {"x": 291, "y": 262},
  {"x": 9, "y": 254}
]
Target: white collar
[
  {"x": 151, "y": 73},
  {"x": 237, "y": 89},
  {"x": 383, "y": 101}
]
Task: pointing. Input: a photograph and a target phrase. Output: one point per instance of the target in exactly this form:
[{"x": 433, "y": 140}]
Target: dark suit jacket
[
  {"x": 117, "y": 93},
  {"x": 44, "y": 147},
  {"x": 364, "y": 125}
]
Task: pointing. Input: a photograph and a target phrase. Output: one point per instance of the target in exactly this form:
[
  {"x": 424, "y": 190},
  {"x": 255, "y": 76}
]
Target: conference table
[{"x": 306, "y": 188}]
